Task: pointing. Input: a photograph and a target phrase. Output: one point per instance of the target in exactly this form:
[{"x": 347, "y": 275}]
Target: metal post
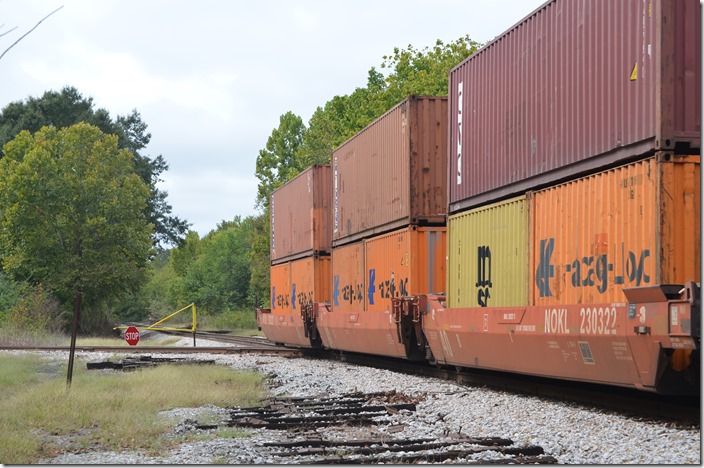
[{"x": 74, "y": 329}]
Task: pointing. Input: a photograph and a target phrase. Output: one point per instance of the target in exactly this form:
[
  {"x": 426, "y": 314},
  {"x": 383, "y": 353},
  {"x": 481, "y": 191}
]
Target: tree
[
  {"x": 278, "y": 162},
  {"x": 72, "y": 213},
  {"x": 69, "y": 107},
  {"x": 423, "y": 72}
]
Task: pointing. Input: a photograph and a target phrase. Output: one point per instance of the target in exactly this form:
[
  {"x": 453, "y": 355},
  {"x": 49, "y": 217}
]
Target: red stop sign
[{"x": 132, "y": 335}]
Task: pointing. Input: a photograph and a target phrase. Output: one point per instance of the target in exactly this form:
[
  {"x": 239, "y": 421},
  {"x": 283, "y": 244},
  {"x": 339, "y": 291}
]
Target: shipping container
[
  {"x": 348, "y": 277},
  {"x": 280, "y": 281},
  {"x": 310, "y": 281},
  {"x": 635, "y": 225},
  {"x": 301, "y": 216},
  {"x": 488, "y": 256},
  {"x": 407, "y": 261},
  {"x": 392, "y": 173},
  {"x": 575, "y": 87}
]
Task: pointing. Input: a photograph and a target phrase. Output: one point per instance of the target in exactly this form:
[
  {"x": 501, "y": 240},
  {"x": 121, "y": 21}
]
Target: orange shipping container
[
  {"x": 634, "y": 225},
  {"x": 393, "y": 172},
  {"x": 348, "y": 277},
  {"x": 280, "y": 276},
  {"x": 404, "y": 262},
  {"x": 301, "y": 216},
  {"x": 310, "y": 281}
]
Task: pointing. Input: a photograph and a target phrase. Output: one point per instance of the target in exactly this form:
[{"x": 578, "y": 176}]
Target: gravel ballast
[{"x": 572, "y": 434}]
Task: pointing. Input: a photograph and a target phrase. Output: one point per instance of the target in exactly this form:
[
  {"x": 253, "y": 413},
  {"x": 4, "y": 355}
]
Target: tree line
[{"x": 80, "y": 211}]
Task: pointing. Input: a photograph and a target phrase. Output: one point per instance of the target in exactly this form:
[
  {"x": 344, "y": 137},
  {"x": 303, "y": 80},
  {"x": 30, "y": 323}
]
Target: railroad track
[
  {"x": 340, "y": 442},
  {"x": 163, "y": 349}
]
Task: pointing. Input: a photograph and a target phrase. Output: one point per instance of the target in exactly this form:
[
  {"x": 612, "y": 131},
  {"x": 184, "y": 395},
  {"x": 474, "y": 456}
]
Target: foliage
[
  {"x": 72, "y": 213},
  {"x": 259, "y": 260},
  {"x": 38, "y": 311},
  {"x": 109, "y": 411},
  {"x": 68, "y": 107},
  {"x": 424, "y": 72},
  {"x": 278, "y": 161},
  {"x": 10, "y": 294},
  {"x": 215, "y": 271}
]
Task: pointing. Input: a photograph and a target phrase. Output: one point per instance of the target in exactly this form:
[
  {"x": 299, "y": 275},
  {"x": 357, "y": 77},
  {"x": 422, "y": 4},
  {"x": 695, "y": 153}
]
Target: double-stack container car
[
  {"x": 572, "y": 200},
  {"x": 388, "y": 228},
  {"x": 300, "y": 243}
]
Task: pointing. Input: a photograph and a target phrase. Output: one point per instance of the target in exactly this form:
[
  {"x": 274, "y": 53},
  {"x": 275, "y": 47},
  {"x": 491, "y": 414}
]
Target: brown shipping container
[
  {"x": 635, "y": 225},
  {"x": 575, "y": 87},
  {"x": 300, "y": 215},
  {"x": 310, "y": 281},
  {"x": 488, "y": 256},
  {"x": 393, "y": 173},
  {"x": 348, "y": 290},
  {"x": 280, "y": 276},
  {"x": 404, "y": 262}
]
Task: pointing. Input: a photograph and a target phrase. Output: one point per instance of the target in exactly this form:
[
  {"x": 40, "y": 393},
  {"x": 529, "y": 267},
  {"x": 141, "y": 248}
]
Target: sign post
[{"x": 132, "y": 335}]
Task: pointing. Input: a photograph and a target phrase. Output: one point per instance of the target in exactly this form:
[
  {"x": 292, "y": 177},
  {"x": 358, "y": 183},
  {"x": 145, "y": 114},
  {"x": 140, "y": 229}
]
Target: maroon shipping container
[
  {"x": 576, "y": 86},
  {"x": 392, "y": 173},
  {"x": 300, "y": 215}
]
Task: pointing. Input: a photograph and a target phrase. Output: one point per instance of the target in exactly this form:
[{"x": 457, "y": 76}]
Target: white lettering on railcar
[
  {"x": 597, "y": 321},
  {"x": 556, "y": 321}
]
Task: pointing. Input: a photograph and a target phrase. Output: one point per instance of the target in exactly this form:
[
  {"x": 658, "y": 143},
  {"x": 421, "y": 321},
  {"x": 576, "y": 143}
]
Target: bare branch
[
  {"x": 8, "y": 32},
  {"x": 25, "y": 34}
]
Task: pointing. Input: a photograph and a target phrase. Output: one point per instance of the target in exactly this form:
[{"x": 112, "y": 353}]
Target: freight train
[{"x": 543, "y": 218}]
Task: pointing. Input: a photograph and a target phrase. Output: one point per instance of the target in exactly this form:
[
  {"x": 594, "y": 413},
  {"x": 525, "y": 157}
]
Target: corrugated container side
[
  {"x": 428, "y": 160},
  {"x": 310, "y": 281},
  {"x": 404, "y": 262},
  {"x": 280, "y": 281},
  {"x": 393, "y": 172},
  {"x": 301, "y": 216},
  {"x": 575, "y": 87},
  {"x": 488, "y": 261},
  {"x": 635, "y": 225},
  {"x": 348, "y": 271}
]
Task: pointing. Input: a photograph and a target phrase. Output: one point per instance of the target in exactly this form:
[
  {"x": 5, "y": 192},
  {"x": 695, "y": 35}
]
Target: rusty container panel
[
  {"x": 488, "y": 256},
  {"x": 635, "y": 225},
  {"x": 280, "y": 280},
  {"x": 301, "y": 216},
  {"x": 576, "y": 86},
  {"x": 404, "y": 262},
  {"x": 392, "y": 173},
  {"x": 348, "y": 290},
  {"x": 310, "y": 281}
]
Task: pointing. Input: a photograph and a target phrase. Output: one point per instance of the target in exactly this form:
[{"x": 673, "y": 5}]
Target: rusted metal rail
[
  {"x": 303, "y": 416},
  {"x": 165, "y": 349}
]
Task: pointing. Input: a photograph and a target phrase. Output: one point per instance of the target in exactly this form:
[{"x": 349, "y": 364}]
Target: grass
[{"x": 109, "y": 411}]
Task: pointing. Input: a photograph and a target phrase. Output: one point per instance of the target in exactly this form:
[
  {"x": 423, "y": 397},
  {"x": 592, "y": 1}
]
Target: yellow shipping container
[
  {"x": 488, "y": 256},
  {"x": 635, "y": 225}
]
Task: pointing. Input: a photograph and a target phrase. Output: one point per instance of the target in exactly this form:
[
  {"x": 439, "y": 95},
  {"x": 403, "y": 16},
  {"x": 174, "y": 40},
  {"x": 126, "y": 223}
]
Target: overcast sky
[{"x": 211, "y": 78}]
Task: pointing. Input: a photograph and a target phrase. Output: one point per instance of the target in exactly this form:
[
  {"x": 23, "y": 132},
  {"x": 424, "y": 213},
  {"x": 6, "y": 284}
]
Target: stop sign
[{"x": 132, "y": 335}]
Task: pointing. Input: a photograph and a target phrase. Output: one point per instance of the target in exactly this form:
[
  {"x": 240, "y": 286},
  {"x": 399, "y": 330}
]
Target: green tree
[
  {"x": 423, "y": 72},
  {"x": 278, "y": 162},
  {"x": 72, "y": 213},
  {"x": 68, "y": 107},
  {"x": 219, "y": 280},
  {"x": 259, "y": 260}
]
